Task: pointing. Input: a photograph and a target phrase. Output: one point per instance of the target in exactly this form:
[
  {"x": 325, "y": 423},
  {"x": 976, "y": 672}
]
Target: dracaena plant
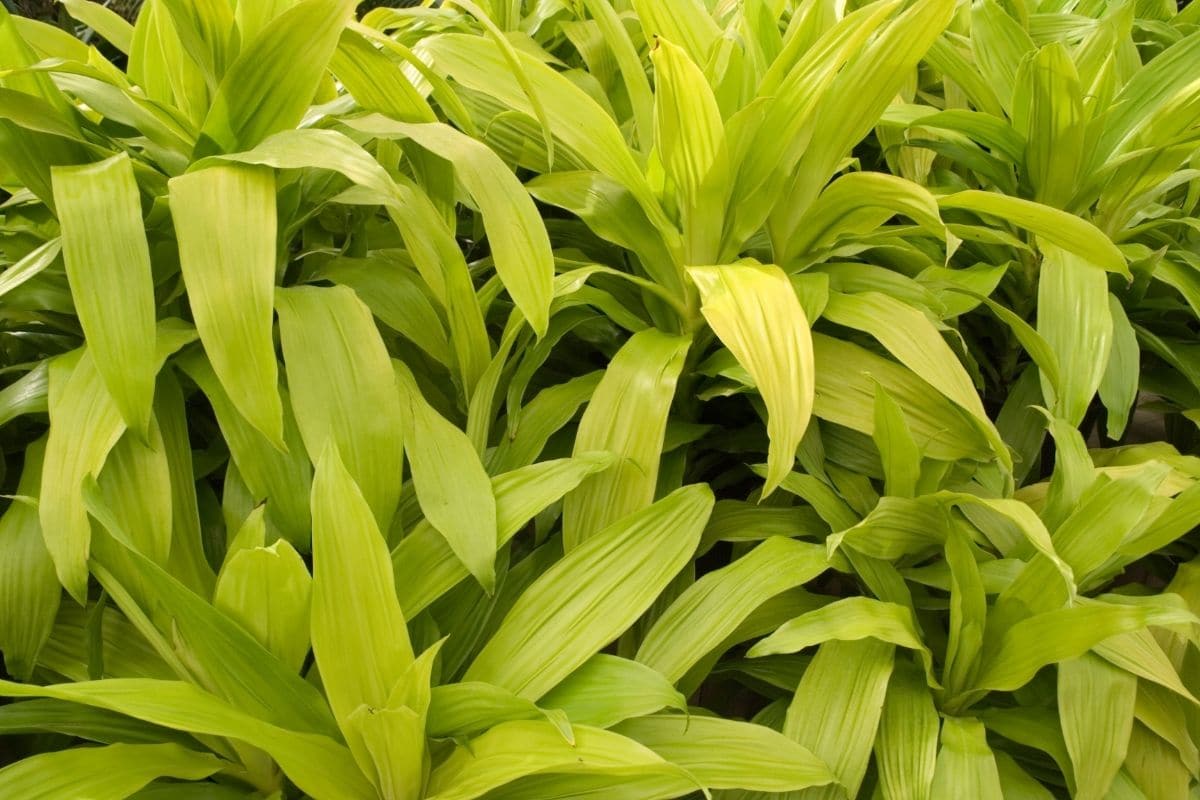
[
  {"x": 1093, "y": 115},
  {"x": 313, "y": 337}
]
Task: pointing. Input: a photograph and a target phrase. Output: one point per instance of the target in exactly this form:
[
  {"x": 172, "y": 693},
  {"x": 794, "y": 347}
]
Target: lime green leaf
[
  {"x": 102, "y": 773},
  {"x": 685, "y": 22},
  {"x": 520, "y": 246},
  {"x": 906, "y": 748},
  {"x": 755, "y": 313},
  {"x": 898, "y": 451},
  {"x": 426, "y": 567},
  {"x": 187, "y": 560},
  {"x": 713, "y": 607},
  {"x": 219, "y": 654},
  {"x": 104, "y": 21},
  {"x": 227, "y": 256},
  {"x": 1048, "y": 112},
  {"x": 849, "y": 619},
  {"x": 393, "y": 738},
  {"x": 108, "y": 266},
  {"x": 358, "y": 631},
  {"x": 136, "y": 484},
  {"x": 965, "y": 764},
  {"x": 1095, "y": 700},
  {"x": 29, "y": 588},
  {"x": 912, "y": 338},
  {"x": 79, "y": 404},
  {"x": 1059, "y": 228},
  {"x": 999, "y": 44},
  {"x": 267, "y": 88},
  {"x": 689, "y": 139},
  {"x": 836, "y": 709},
  {"x": 1054, "y": 636},
  {"x": 1074, "y": 319},
  {"x": 396, "y": 295},
  {"x": 846, "y": 378},
  {"x": 515, "y": 749},
  {"x": 608, "y": 580},
  {"x": 1119, "y": 385},
  {"x": 282, "y": 479},
  {"x": 267, "y": 590},
  {"x": 470, "y": 707},
  {"x": 627, "y": 417},
  {"x": 450, "y": 482},
  {"x": 343, "y": 388},
  {"x": 317, "y": 764},
  {"x": 726, "y": 754},
  {"x": 607, "y": 689},
  {"x": 576, "y": 120}
]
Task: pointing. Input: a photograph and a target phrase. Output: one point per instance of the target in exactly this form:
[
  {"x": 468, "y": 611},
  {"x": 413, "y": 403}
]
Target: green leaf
[
  {"x": 267, "y": 590},
  {"x": 394, "y": 292},
  {"x": 965, "y": 764},
  {"x": 849, "y": 619},
  {"x": 512, "y": 750},
  {"x": 1074, "y": 319},
  {"x": 1048, "y": 112},
  {"x": 29, "y": 588},
  {"x": 85, "y": 424},
  {"x": 317, "y": 764},
  {"x": 102, "y": 773},
  {"x": 426, "y": 567},
  {"x": 713, "y": 607},
  {"x": 136, "y": 485},
  {"x": 726, "y": 754},
  {"x": 1063, "y": 230},
  {"x": 999, "y": 44},
  {"x": 906, "y": 748},
  {"x": 358, "y": 631},
  {"x": 1095, "y": 701},
  {"x": 451, "y": 484},
  {"x": 837, "y": 706},
  {"x": 108, "y": 266},
  {"x": 607, "y": 689},
  {"x": 516, "y": 234},
  {"x": 912, "y": 338},
  {"x": 575, "y": 119},
  {"x": 627, "y": 416},
  {"x": 900, "y": 454},
  {"x": 267, "y": 88},
  {"x": 608, "y": 581},
  {"x": 1119, "y": 385},
  {"x": 685, "y": 22},
  {"x": 104, "y": 21},
  {"x": 755, "y": 313},
  {"x": 282, "y": 479},
  {"x": 202, "y": 644},
  {"x": 227, "y": 257},
  {"x": 469, "y": 707},
  {"x": 343, "y": 388},
  {"x": 1054, "y": 636},
  {"x": 689, "y": 139},
  {"x": 846, "y": 379}
]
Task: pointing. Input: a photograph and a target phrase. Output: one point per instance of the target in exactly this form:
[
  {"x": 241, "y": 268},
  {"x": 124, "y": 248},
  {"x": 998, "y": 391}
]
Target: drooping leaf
[
  {"x": 227, "y": 257},
  {"x": 757, "y": 316},
  {"x": 108, "y": 265}
]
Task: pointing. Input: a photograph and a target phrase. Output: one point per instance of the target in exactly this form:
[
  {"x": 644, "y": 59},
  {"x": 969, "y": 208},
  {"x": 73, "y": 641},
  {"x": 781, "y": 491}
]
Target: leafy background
[{"x": 626, "y": 399}]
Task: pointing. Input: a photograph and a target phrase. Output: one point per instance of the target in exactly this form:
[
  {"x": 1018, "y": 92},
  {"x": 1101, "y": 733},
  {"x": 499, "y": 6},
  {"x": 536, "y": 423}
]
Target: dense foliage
[{"x": 635, "y": 399}]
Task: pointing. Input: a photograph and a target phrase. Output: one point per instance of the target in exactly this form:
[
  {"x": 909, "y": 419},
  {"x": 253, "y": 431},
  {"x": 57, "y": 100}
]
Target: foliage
[{"x": 638, "y": 399}]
